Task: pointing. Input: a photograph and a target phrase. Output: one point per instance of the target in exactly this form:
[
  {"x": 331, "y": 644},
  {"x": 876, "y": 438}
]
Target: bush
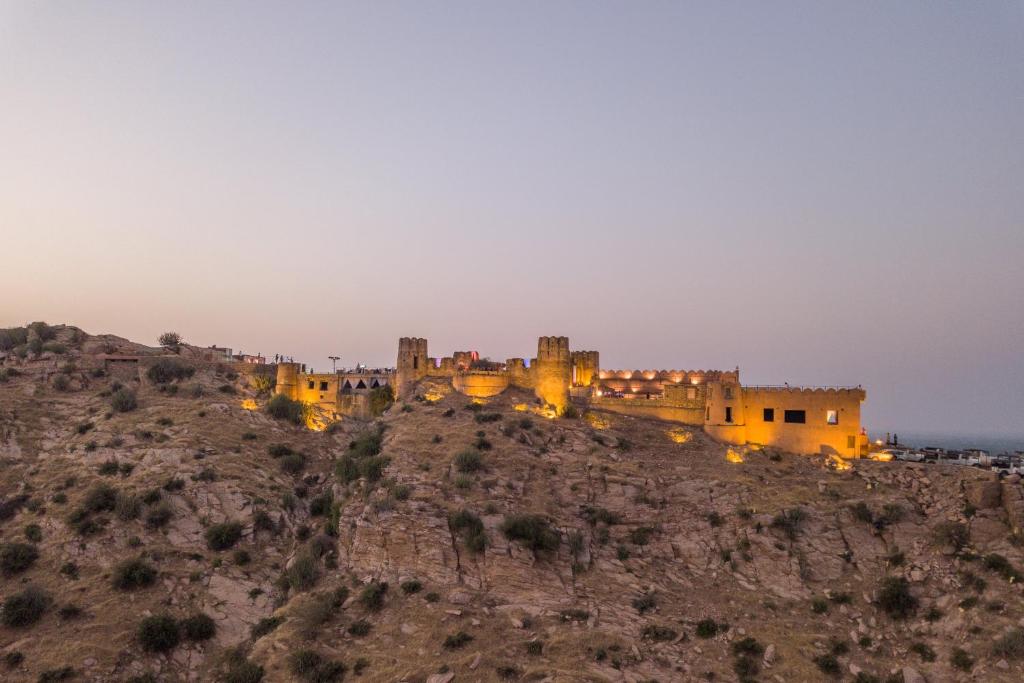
[
  {"x": 534, "y": 530},
  {"x": 224, "y": 535},
  {"x": 61, "y": 383},
  {"x": 128, "y": 506},
  {"x": 372, "y": 597},
  {"x": 303, "y": 574},
  {"x": 359, "y": 628},
  {"x": 469, "y": 461},
  {"x": 170, "y": 340},
  {"x": 159, "y": 515},
  {"x": 789, "y": 522},
  {"x": 167, "y": 370},
  {"x": 310, "y": 666},
  {"x": 595, "y": 515},
  {"x": 198, "y": 626},
  {"x": 242, "y": 670},
  {"x": 1002, "y": 566},
  {"x": 132, "y": 574},
  {"x": 707, "y": 628},
  {"x": 411, "y": 586},
  {"x": 380, "y": 399},
  {"x": 658, "y": 634},
  {"x": 100, "y": 498},
  {"x": 278, "y": 449},
  {"x": 952, "y": 534},
  {"x": 158, "y": 633},
  {"x": 24, "y": 608},
  {"x": 123, "y": 400},
  {"x": 293, "y": 463},
  {"x": 457, "y": 640},
  {"x": 895, "y": 597},
  {"x": 63, "y": 673},
  {"x": 961, "y": 659},
  {"x": 641, "y": 535},
  {"x": 34, "y": 532},
  {"x": 645, "y": 603},
  {"x": 372, "y": 469},
  {"x": 281, "y": 407},
  {"x": 924, "y": 651},
  {"x": 828, "y": 664},
  {"x": 265, "y": 626},
  {"x": 17, "y": 557},
  {"x": 469, "y": 526},
  {"x": 1010, "y": 645}
]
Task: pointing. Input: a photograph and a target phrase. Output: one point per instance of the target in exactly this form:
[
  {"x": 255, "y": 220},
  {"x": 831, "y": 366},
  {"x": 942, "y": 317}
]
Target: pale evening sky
[{"x": 820, "y": 193}]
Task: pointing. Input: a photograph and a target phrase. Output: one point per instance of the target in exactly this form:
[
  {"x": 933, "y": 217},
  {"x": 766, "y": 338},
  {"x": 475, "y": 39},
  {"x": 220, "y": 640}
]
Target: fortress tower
[
  {"x": 553, "y": 371},
  {"x": 287, "y": 380},
  {"x": 585, "y": 366},
  {"x": 412, "y": 364}
]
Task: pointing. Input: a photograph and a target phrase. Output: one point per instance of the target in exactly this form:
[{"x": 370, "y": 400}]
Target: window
[
  {"x": 312, "y": 384},
  {"x": 361, "y": 385},
  {"x": 691, "y": 393},
  {"x": 728, "y": 413},
  {"x": 728, "y": 392},
  {"x": 832, "y": 417},
  {"x": 769, "y": 414},
  {"x": 323, "y": 386},
  {"x": 851, "y": 441},
  {"x": 795, "y": 416},
  {"x": 707, "y": 415},
  {"x": 415, "y": 362}
]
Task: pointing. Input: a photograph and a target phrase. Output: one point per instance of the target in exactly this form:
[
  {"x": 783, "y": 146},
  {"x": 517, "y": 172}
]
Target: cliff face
[{"x": 512, "y": 546}]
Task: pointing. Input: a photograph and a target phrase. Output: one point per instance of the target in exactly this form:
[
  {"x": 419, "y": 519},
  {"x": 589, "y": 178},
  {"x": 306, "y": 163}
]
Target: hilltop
[{"x": 167, "y": 527}]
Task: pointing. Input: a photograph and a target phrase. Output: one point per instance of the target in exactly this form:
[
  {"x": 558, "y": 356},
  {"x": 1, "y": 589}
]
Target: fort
[{"x": 817, "y": 420}]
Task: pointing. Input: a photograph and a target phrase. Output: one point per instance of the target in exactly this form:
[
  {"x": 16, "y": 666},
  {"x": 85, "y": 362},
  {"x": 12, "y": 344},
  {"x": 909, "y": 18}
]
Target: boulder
[{"x": 984, "y": 494}]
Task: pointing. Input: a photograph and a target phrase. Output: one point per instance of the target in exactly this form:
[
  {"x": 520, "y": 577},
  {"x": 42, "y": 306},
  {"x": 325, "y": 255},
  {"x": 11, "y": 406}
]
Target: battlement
[
  {"x": 787, "y": 389},
  {"x": 673, "y": 376}
]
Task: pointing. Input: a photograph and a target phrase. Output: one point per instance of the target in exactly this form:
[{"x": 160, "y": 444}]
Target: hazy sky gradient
[{"x": 820, "y": 193}]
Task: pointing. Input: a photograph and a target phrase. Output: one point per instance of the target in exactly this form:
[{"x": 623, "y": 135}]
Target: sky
[{"x": 818, "y": 193}]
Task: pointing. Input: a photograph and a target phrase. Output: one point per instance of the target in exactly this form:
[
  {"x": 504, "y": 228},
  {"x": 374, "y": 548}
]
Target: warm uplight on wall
[
  {"x": 838, "y": 464},
  {"x": 732, "y": 455},
  {"x": 679, "y": 435},
  {"x": 521, "y": 407},
  {"x": 249, "y": 404},
  {"x": 597, "y": 421}
]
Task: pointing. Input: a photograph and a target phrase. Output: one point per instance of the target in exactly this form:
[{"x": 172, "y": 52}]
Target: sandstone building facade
[{"x": 799, "y": 419}]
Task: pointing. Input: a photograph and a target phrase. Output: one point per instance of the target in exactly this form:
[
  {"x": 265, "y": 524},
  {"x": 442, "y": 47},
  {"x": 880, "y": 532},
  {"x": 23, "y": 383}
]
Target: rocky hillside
[{"x": 169, "y": 528}]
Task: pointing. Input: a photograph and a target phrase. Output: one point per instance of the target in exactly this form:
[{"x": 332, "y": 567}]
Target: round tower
[
  {"x": 553, "y": 371},
  {"x": 287, "y": 380},
  {"x": 411, "y": 366}
]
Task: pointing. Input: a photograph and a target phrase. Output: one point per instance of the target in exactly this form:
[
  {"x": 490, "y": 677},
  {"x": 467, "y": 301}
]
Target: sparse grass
[
  {"x": 707, "y": 628},
  {"x": 311, "y": 667}
]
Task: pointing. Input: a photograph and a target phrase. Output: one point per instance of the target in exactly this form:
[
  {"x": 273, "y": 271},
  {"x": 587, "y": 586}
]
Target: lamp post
[{"x": 334, "y": 363}]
